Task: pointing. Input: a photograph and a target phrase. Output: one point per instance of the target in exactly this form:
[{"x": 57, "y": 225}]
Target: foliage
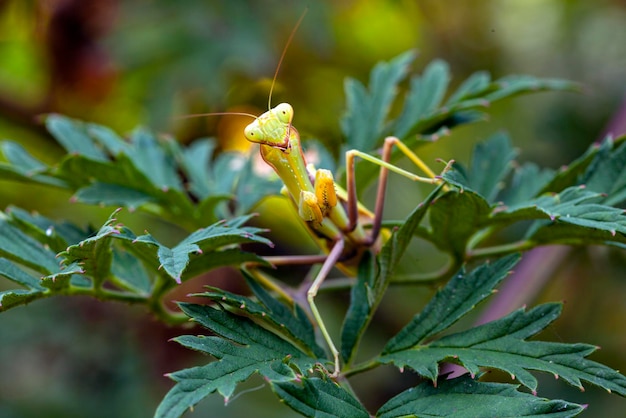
[{"x": 269, "y": 332}]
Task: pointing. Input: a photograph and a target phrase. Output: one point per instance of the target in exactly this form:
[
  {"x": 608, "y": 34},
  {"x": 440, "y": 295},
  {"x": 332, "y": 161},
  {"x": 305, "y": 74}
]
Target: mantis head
[{"x": 272, "y": 127}]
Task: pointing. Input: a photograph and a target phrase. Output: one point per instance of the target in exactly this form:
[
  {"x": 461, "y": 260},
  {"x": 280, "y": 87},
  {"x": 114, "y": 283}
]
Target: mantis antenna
[{"x": 282, "y": 56}]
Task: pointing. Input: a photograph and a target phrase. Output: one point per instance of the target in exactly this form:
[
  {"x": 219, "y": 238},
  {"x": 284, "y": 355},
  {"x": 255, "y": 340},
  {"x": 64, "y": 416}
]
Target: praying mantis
[
  {"x": 342, "y": 227},
  {"x": 332, "y": 215}
]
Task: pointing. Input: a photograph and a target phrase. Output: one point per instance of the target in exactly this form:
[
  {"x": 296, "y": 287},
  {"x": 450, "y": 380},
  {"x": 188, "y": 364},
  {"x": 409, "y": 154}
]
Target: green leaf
[
  {"x": 94, "y": 254},
  {"x": 491, "y": 163},
  {"x": 16, "y": 245},
  {"x": 245, "y": 349},
  {"x": 106, "y": 137},
  {"x": 424, "y": 97},
  {"x": 72, "y": 135},
  {"x": 56, "y": 235},
  {"x": 152, "y": 159},
  {"x": 12, "y": 298},
  {"x": 462, "y": 293},
  {"x": 501, "y": 345},
  {"x": 112, "y": 195},
  {"x": 19, "y": 276},
  {"x": 371, "y": 283},
  {"x": 206, "y": 240},
  {"x": 129, "y": 273},
  {"x": 606, "y": 174},
  {"x": 527, "y": 182},
  {"x": 363, "y": 123},
  {"x": 584, "y": 166},
  {"x": 465, "y": 397},
  {"x": 20, "y": 158},
  {"x": 64, "y": 278},
  {"x": 454, "y": 218},
  {"x": 576, "y": 207},
  {"x": 292, "y": 323},
  {"x": 319, "y": 398}
]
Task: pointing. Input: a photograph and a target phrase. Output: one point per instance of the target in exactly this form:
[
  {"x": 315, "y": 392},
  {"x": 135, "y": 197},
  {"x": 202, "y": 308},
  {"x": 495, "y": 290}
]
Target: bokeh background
[{"x": 125, "y": 63}]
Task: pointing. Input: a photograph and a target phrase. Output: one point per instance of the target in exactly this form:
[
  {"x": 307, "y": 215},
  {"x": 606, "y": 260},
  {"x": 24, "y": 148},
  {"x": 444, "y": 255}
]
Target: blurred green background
[{"x": 125, "y": 63}]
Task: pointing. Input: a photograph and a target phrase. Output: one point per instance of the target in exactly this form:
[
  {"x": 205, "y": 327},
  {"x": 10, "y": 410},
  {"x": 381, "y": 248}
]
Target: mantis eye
[
  {"x": 284, "y": 112},
  {"x": 253, "y": 133}
]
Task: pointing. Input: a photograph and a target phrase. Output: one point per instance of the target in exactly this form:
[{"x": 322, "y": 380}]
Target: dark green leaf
[
  {"x": 465, "y": 397},
  {"x": 454, "y": 218},
  {"x": 204, "y": 241},
  {"x": 491, "y": 163},
  {"x": 462, "y": 293},
  {"x": 94, "y": 254},
  {"x": 19, "y": 276},
  {"x": 424, "y": 97},
  {"x": 576, "y": 207},
  {"x": 153, "y": 161},
  {"x": 253, "y": 350},
  {"x": 12, "y": 298},
  {"x": 371, "y": 284},
  {"x": 363, "y": 123},
  {"x": 112, "y": 195},
  {"x": 528, "y": 180},
  {"x": 273, "y": 314},
  {"x": 72, "y": 135},
  {"x": 129, "y": 273},
  {"x": 319, "y": 398},
  {"x": 501, "y": 344},
  {"x": 606, "y": 174},
  {"x": 16, "y": 245},
  {"x": 20, "y": 158}
]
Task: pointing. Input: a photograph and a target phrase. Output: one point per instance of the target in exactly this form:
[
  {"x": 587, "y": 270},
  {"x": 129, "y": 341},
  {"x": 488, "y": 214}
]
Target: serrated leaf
[
  {"x": 572, "y": 174},
  {"x": 363, "y": 123},
  {"x": 94, "y": 254},
  {"x": 245, "y": 349},
  {"x": 319, "y": 398},
  {"x": 12, "y": 298},
  {"x": 424, "y": 97},
  {"x": 153, "y": 161},
  {"x": 527, "y": 182},
  {"x": 112, "y": 195},
  {"x": 129, "y": 273},
  {"x": 65, "y": 277},
  {"x": 454, "y": 218},
  {"x": 111, "y": 141},
  {"x": 606, "y": 174},
  {"x": 72, "y": 135},
  {"x": 12, "y": 272},
  {"x": 502, "y": 344},
  {"x": 293, "y": 324},
  {"x": 471, "y": 87},
  {"x": 16, "y": 245},
  {"x": 195, "y": 162},
  {"x": 464, "y": 397},
  {"x": 56, "y": 235},
  {"x": 295, "y": 321},
  {"x": 371, "y": 283},
  {"x": 575, "y": 206},
  {"x": 206, "y": 240},
  {"x": 491, "y": 163},
  {"x": 461, "y": 294},
  {"x": 19, "y": 157}
]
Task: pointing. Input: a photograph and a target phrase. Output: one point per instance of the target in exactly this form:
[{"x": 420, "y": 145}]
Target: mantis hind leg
[{"x": 385, "y": 167}]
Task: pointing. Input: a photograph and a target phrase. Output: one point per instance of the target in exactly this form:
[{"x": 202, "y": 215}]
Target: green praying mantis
[
  {"x": 334, "y": 217},
  {"x": 342, "y": 227}
]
